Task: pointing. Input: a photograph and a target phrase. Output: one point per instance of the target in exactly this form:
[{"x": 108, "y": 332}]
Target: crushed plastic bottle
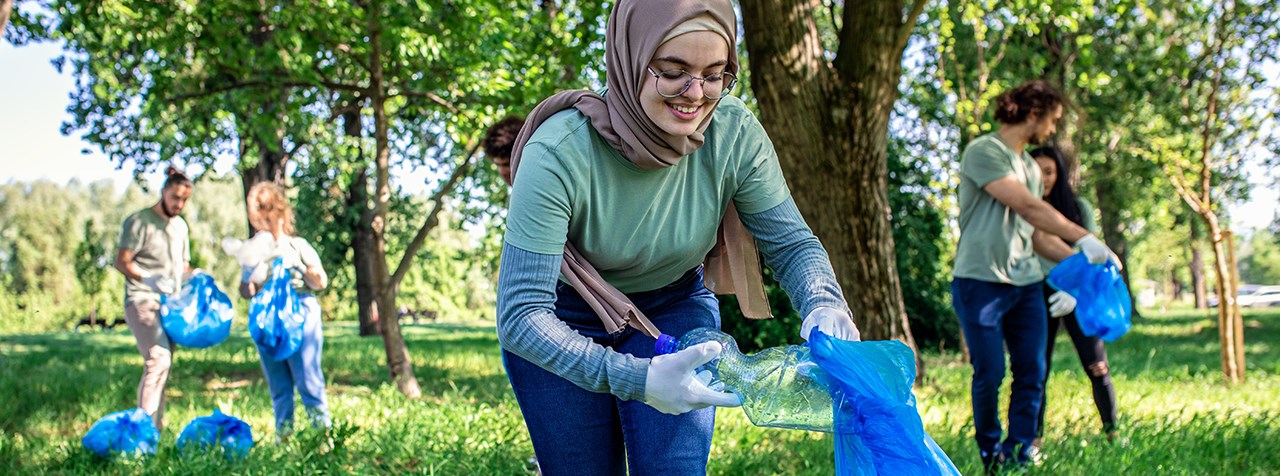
[{"x": 775, "y": 384}]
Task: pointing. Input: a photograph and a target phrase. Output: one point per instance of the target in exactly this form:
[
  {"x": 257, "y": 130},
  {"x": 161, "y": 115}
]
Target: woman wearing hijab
[
  {"x": 1092, "y": 353},
  {"x": 625, "y": 193}
]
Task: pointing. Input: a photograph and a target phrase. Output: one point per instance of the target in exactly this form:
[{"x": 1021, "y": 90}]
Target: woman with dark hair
[
  {"x": 996, "y": 290},
  {"x": 1093, "y": 356}
]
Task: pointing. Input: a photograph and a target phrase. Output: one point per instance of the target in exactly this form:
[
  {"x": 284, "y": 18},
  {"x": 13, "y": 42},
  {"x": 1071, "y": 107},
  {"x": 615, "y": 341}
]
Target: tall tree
[
  {"x": 827, "y": 111},
  {"x": 91, "y": 265},
  {"x": 1226, "y": 122}
]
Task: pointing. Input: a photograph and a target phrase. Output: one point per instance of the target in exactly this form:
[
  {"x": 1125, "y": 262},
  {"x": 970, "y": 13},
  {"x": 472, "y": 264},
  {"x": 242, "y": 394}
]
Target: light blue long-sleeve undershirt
[{"x": 529, "y": 328}]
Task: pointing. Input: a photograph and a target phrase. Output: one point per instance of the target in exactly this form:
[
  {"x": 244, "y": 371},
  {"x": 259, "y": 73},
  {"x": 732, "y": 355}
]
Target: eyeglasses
[{"x": 674, "y": 82}]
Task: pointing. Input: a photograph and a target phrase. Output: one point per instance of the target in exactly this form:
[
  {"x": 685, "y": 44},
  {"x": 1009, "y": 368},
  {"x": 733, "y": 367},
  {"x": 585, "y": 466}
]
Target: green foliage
[
  {"x": 51, "y": 280},
  {"x": 1170, "y": 401},
  {"x": 923, "y": 249},
  {"x": 1260, "y": 259},
  {"x": 756, "y": 334},
  {"x": 91, "y": 260}
]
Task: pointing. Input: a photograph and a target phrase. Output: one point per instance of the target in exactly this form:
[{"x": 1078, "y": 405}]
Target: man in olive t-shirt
[
  {"x": 996, "y": 291},
  {"x": 153, "y": 255}
]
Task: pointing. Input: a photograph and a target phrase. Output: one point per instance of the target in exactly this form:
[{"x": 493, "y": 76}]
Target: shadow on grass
[
  {"x": 62, "y": 376},
  {"x": 1184, "y": 344}
]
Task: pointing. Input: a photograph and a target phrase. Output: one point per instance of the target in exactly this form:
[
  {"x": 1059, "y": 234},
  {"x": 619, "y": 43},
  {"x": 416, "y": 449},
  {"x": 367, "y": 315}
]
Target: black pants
[{"x": 1093, "y": 357}]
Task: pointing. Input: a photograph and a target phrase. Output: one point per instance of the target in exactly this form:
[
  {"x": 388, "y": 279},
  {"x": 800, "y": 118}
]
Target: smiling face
[
  {"x": 1048, "y": 173},
  {"x": 699, "y": 53}
]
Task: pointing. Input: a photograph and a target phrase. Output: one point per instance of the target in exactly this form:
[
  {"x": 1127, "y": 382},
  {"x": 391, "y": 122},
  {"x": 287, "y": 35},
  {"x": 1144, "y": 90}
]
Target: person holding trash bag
[
  {"x": 270, "y": 211},
  {"x": 1093, "y": 355},
  {"x": 154, "y": 254},
  {"x": 996, "y": 290},
  {"x": 626, "y": 191}
]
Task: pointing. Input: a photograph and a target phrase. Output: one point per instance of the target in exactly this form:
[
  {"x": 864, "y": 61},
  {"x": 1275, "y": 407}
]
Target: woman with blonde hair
[{"x": 271, "y": 216}]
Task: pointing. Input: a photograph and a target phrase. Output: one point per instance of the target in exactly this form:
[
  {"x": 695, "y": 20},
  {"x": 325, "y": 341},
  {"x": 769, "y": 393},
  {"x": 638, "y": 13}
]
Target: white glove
[
  {"x": 1061, "y": 304},
  {"x": 671, "y": 386},
  {"x": 832, "y": 322},
  {"x": 160, "y": 284},
  {"x": 1095, "y": 251}
]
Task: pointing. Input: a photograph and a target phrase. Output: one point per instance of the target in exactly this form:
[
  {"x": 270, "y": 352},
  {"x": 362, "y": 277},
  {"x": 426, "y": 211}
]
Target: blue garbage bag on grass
[
  {"x": 199, "y": 315},
  {"x": 276, "y": 315},
  {"x": 1103, "y": 305},
  {"x": 128, "y": 432},
  {"x": 878, "y": 429},
  {"x": 218, "y": 430}
]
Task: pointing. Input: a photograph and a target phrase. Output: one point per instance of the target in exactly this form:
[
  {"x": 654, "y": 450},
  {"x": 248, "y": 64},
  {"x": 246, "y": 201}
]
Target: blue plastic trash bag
[
  {"x": 1103, "y": 305},
  {"x": 878, "y": 430},
  {"x": 128, "y": 432},
  {"x": 218, "y": 430},
  {"x": 199, "y": 315},
  {"x": 276, "y": 315}
]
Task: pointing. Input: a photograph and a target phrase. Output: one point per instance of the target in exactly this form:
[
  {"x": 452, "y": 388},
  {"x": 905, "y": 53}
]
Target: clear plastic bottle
[{"x": 775, "y": 383}]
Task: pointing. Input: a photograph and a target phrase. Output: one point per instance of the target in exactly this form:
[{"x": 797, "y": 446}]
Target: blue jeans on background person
[
  {"x": 301, "y": 371},
  {"x": 996, "y": 316},
  {"x": 576, "y": 431}
]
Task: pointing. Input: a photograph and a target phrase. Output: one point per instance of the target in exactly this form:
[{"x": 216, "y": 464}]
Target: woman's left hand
[{"x": 830, "y": 321}]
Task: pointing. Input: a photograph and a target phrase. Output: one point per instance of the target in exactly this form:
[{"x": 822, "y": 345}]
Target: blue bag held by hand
[
  {"x": 231, "y": 434},
  {"x": 128, "y": 432},
  {"x": 276, "y": 315},
  {"x": 878, "y": 429},
  {"x": 1103, "y": 305},
  {"x": 199, "y": 315}
]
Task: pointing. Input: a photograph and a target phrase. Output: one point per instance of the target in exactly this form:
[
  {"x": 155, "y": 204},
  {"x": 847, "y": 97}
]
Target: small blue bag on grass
[
  {"x": 128, "y": 432},
  {"x": 878, "y": 429},
  {"x": 276, "y": 315},
  {"x": 231, "y": 434},
  {"x": 1103, "y": 305},
  {"x": 199, "y": 315}
]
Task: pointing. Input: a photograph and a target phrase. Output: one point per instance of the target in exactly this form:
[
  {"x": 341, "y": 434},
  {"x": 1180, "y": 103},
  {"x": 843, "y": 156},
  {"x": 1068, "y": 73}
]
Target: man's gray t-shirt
[
  {"x": 995, "y": 242},
  {"x": 161, "y": 247}
]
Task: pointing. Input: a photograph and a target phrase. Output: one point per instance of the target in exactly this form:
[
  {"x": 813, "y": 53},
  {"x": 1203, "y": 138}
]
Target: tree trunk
[
  {"x": 829, "y": 123},
  {"x": 357, "y": 202},
  {"x": 6, "y": 7},
  {"x": 1230, "y": 324},
  {"x": 398, "y": 362},
  {"x": 1197, "y": 270},
  {"x": 363, "y": 254}
]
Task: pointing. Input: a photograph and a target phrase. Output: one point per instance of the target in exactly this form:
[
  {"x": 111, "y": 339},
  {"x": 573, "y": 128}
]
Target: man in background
[{"x": 153, "y": 255}]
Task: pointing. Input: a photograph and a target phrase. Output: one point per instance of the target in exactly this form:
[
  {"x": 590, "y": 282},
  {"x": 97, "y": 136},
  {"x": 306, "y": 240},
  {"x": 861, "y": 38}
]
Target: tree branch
[
  {"x": 258, "y": 83},
  {"x": 908, "y": 26},
  {"x": 428, "y": 95},
  {"x": 433, "y": 217}
]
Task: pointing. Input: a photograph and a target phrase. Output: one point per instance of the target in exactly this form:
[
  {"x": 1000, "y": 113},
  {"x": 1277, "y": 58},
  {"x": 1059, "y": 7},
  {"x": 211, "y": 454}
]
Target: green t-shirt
[
  {"x": 1091, "y": 224},
  {"x": 160, "y": 245},
  {"x": 995, "y": 242},
  {"x": 641, "y": 229}
]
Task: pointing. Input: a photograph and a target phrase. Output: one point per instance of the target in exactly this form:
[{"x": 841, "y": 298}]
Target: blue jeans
[
  {"x": 575, "y": 431},
  {"x": 996, "y": 316},
  {"x": 301, "y": 371}
]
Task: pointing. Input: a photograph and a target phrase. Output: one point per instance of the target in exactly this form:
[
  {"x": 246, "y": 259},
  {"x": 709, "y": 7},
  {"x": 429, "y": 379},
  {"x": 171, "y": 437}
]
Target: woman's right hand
[{"x": 672, "y": 387}]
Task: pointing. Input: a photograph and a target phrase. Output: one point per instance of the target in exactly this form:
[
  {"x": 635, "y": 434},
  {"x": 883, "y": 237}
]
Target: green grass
[{"x": 1176, "y": 415}]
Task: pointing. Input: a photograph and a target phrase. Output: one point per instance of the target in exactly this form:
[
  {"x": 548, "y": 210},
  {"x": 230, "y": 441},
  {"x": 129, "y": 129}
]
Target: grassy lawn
[{"x": 1176, "y": 416}]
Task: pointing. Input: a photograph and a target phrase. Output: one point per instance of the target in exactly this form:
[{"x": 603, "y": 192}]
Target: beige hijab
[{"x": 635, "y": 31}]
